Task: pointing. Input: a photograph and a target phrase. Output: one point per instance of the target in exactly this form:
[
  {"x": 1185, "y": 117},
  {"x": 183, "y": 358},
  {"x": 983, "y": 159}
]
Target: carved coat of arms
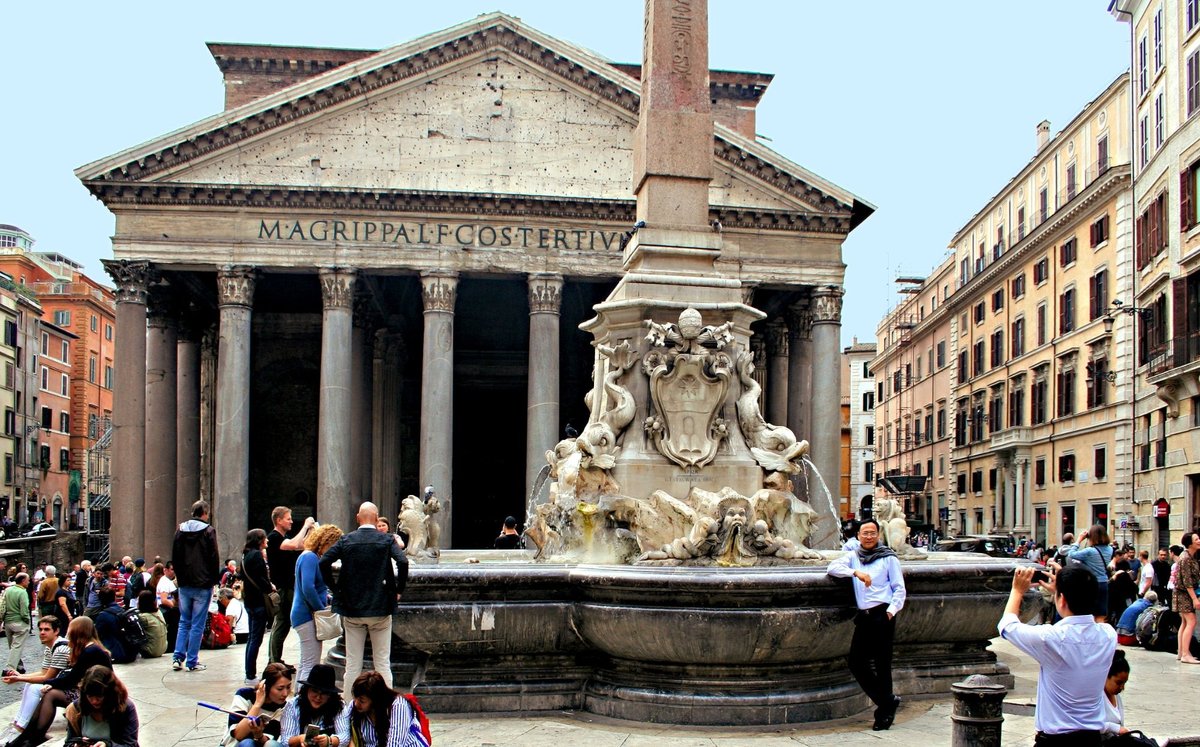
[{"x": 688, "y": 383}]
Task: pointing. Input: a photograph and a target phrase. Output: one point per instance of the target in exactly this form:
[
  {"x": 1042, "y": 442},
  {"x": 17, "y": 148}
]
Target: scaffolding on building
[{"x": 99, "y": 486}]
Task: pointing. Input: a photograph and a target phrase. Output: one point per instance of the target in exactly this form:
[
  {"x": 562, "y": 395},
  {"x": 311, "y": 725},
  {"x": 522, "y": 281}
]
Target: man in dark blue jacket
[
  {"x": 374, "y": 566},
  {"x": 108, "y": 627}
]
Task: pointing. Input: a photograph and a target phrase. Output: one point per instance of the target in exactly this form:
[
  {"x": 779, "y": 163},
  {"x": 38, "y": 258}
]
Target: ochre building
[{"x": 367, "y": 276}]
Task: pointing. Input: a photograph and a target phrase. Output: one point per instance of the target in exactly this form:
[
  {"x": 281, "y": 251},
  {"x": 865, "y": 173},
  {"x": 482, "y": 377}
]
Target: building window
[
  {"x": 1066, "y": 468},
  {"x": 977, "y": 418},
  {"x": 941, "y": 422},
  {"x": 1158, "y": 39},
  {"x": 1102, "y": 155},
  {"x": 1041, "y": 324},
  {"x": 64, "y": 421},
  {"x": 1067, "y": 253},
  {"x": 1151, "y": 231},
  {"x": 1018, "y": 286},
  {"x": 1039, "y": 472},
  {"x": 1096, "y": 383},
  {"x": 868, "y": 401},
  {"x": 997, "y": 348},
  {"x": 1098, "y": 295},
  {"x": 1041, "y": 271},
  {"x": 47, "y": 418},
  {"x": 108, "y": 377},
  {"x": 977, "y": 354},
  {"x": 960, "y": 484},
  {"x": 1043, "y": 205},
  {"x": 1099, "y": 466},
  {"x": 977, "y": 481},
  {"x": 45, "y": 343},
  {"x": 998, "y": 300},
  {"x": 65, "y": 385},
  {"x": 960, "y": 423},
  {"x": 92, "y": 370},
  {"x": 1144, "y": 141},
  {"x": 1020, "y": 223},
  {"x": 62, "y": 318},
  {"x": 941, "y": 352},
  {"x": 95, "y": 323},
  {"x": 45, "y": 378},
  {"x": 1071, "y": 182},
  {"x": 1066, "y": 389},
  {"x": 1066, "y": 311},
  {"x": 1016, "y": 403},
  {"x": 1037, "y": 395},
  {"x": 979, "y": 312},
  {"x": 1143, "y": 67},
  {"x": 996, "y": 410},
  {"x": 962, "y": 366},
  {"x": 1160, "y": 124},
  {"x": 868, "y": 471},
  {"x": 1160, "y": 451},
  {"x": 1153, "y": 333},
  {"x": 1191, "y": 14},
  {"x": 108, "y": 332},
  {"x": 1187, "y": 195},
  {"x": 1193, "y": 82},
  {"x": 1018, "y": 337},
  {"x": 870, "y": 435},
  {"x": 64, "y": 460},
  {"x": 866, "y": 374}
]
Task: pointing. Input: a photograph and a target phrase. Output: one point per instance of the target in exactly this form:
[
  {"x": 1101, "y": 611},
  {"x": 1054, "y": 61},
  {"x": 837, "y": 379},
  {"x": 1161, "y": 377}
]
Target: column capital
[
  {"x": 366, "y": 316},
  {"x": 777, "y": 338},
  {"x": 827, "y": 305},
  {"x": 758, "y": 347},
  {"x": 438, "y": 290},
  {"x": 545, "y": 293},
  {"x": 799, "y": 321},
  {"x": 133, "y": 278},
  {"x": 235, "y": 285},
  {"x": 388, "y": 344},
  {"x": 337, "y": 287}
]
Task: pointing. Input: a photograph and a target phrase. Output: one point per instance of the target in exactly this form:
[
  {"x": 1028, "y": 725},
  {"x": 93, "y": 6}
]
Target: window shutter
[
  {"x": 1178, "y": 320},
  {"x": 1186, "y": 185},
  {"x": 1093, "y": 297}
]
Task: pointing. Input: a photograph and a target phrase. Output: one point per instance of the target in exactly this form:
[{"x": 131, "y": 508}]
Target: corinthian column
[
  {"x": 542, "y": 414},
  {"x": 800, "y": 357},
  {"x": 333, "y": 428},
  {"x": 826, "y": 432},
  {"x": 231, "y": 467},
  {"x": 160, "y": 426},
  {"x": 438, "y": 291},
  {"x": 187, "y": 409},
  {"x": 777, "y": 372},
  {"x": 361, "y": 395},
  {"x": 385, "y": 442},
  {"x": 128, "y": 487}
]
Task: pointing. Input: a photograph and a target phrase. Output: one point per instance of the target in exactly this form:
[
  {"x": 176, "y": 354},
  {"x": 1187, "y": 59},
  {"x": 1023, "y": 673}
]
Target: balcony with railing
[{"x": 1174, "y": 353}]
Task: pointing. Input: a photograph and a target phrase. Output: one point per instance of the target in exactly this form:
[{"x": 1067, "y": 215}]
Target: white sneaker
[
  {"x": 9, "y": 734},
  {"x": 177, "y": 664},
  {"x": 251, "y": 682}
]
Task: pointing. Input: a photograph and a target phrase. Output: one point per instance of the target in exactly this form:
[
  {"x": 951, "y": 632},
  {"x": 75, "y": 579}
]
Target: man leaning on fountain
[{"x": 879, "y": 595}]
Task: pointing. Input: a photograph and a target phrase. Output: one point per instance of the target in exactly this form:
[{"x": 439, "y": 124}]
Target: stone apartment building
[
  {"x": 859, "y": 382},
  {"x": 996, "y": 372},
  {"x": 1165, "y": 299}
]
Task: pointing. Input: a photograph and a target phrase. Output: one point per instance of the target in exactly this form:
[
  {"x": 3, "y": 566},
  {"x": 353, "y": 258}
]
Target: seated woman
[
  {"x": 1114, "y": 709},
  {"x": 104, "y": 711},
  {"x": 156, "y": 627},
  {"x": 261, "y": 708},
  {"x": 378, "y": 717},
  {"x": 86, "y": 651},
  {"x": 315, "y": 708}
]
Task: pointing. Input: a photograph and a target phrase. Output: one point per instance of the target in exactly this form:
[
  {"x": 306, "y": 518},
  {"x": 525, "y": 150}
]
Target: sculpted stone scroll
[{"x": 774, "y": 447}]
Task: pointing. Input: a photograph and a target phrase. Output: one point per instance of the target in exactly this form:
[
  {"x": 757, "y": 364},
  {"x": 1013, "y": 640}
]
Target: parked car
[
  {"x": 42, "y": 528},
  {"x": 986, "y": 545}
]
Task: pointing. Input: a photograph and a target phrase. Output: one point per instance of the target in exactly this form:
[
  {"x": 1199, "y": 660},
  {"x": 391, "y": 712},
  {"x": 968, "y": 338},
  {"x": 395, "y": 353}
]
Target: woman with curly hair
[
  {"x": 311, "y": 594},
  {"x": 86, "y": 651},
  {"x": 378, "y": 716},
  {"x": 104, "y": 711}
]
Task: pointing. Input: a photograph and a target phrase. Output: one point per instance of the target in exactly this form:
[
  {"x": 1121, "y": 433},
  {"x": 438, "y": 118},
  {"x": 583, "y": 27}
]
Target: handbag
[
  {"x": 271, "y": 601},
  {"x": 328, "y": 624}
]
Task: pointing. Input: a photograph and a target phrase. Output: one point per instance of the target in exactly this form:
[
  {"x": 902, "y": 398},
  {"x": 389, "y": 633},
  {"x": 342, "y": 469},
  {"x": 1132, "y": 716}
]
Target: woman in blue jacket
[
  {"x": 311, "y": 594},
  {"x": 1095, "y": 557}
]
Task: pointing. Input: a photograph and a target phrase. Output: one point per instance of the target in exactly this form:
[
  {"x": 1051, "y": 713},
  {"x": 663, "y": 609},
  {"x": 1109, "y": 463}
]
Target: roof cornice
[
  {"x": 417, "y": 58},
  {"x": 409, "y": 201}
]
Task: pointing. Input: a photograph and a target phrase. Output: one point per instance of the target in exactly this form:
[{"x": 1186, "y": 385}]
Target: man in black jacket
[
  {"x": 197, "y": 567},
  {"x": 374, "y": 566}
]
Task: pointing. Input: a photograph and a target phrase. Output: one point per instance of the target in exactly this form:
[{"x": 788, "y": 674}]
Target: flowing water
[{"x": 835, "y": 517}]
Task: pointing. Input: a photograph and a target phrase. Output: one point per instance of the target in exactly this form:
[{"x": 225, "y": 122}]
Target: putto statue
[{"x": 417, "y": 521}]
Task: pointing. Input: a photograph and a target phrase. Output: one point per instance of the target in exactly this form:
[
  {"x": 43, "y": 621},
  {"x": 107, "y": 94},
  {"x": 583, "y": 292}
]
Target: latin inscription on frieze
[{"x": 466, "y": 235}]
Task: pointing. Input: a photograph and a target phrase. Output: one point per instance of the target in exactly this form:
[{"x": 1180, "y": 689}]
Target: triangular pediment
[{"x": 489, "y": 106}]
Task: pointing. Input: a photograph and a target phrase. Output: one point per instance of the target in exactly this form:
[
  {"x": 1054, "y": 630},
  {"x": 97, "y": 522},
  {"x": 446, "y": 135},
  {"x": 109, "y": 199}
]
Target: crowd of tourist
[{"x": 92, "y": 618}]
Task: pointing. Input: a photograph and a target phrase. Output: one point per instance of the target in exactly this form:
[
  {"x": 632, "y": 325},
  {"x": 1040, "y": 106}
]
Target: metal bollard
[{"x": 978, "y": 711}]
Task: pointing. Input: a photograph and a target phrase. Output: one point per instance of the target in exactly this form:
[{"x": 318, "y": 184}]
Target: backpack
[
  {"x": 419, "y": 730},
  {"x": 1158, "y": 629},
  {"x": 133, "y": 634},
  {"x": 217, "y": 633},
  {"x": 137, "y": 584}
]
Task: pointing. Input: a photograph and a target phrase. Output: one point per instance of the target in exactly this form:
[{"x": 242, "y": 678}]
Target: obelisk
[{"x": 669, "y": 260}]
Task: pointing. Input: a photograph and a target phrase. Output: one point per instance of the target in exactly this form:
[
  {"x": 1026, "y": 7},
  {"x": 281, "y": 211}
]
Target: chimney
[{"x": 1043, "y": 134}]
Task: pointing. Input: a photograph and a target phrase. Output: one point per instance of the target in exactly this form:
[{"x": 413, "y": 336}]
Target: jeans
[
  {"x": 355, "y": 632},
  {"x": 16, "y": 632},
  {"x": 193, "y": 614},
  {"x": 282, "y": 623},
  {"x": 310, "y": 648},
  {"x": 258, "y": 627}
]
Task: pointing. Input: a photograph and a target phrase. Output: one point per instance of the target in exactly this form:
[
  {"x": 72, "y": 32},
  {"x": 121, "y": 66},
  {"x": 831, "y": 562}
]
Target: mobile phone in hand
[
  {"x": 1040, "y": 576},
  {"x": 310, "y": 733}
]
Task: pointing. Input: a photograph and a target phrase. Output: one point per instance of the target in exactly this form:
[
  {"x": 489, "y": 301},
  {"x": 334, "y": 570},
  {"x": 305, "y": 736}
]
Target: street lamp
[{"x": 1119, "y": 307}]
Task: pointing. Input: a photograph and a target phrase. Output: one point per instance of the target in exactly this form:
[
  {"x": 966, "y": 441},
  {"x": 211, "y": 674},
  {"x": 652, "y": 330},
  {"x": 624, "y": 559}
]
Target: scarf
[{"x": 866, "y": 557}]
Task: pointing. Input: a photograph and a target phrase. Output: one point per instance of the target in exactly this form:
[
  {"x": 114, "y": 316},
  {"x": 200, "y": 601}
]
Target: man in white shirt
[
  {"x": 879, "y": 595},
  {"x": 1145, "y": 574},
  {"x": 1073, "y": 656},
  {"x": 55, "y": 659}
]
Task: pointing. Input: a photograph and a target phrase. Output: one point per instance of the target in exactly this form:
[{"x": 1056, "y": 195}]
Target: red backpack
[
  {"x": 421, "y": 720},
  {"x": 218, "y": 634}
]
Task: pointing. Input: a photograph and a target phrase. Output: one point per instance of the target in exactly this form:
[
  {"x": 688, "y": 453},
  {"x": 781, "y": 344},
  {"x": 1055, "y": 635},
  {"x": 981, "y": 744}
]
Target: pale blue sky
[{"x": 923, "y": 109}]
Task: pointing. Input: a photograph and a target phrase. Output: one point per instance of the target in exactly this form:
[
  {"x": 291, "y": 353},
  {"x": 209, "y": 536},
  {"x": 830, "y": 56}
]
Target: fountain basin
[{"x": 718, "y": 646}]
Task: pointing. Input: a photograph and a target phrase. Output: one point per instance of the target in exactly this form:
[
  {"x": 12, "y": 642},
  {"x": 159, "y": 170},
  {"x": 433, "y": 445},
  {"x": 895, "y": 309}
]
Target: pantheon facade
[{"x": 367, "y": 275}]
